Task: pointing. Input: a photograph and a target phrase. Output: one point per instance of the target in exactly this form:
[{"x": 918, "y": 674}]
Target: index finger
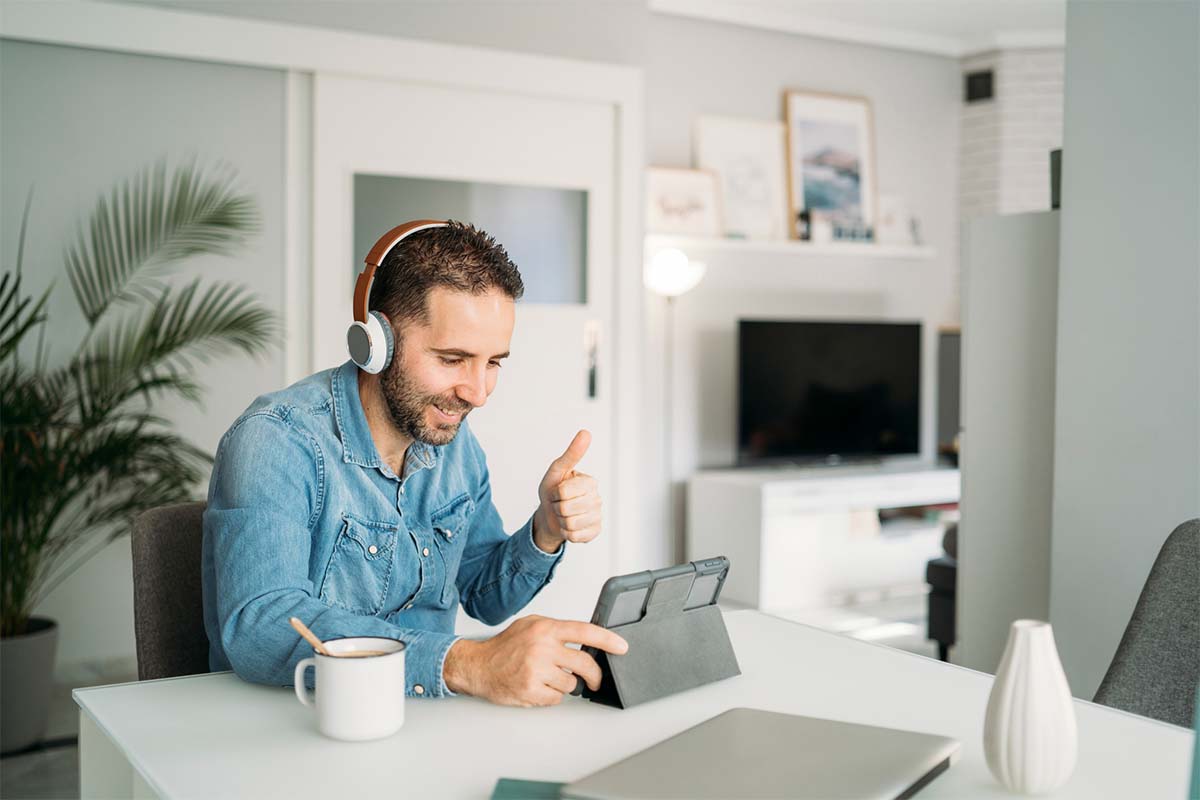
[
  {"x": 592, "y": 635},
  {"x": 576, "y": 486}
]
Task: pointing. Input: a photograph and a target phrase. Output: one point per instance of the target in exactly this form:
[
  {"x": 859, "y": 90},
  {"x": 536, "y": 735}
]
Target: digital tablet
[{"x": 622, "y": 599}]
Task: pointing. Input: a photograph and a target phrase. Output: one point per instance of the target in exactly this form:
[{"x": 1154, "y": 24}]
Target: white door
[{"x": 547, "y": 389}]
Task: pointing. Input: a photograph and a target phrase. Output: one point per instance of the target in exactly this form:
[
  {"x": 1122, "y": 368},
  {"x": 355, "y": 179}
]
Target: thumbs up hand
[{"x": 569, "y": 508}]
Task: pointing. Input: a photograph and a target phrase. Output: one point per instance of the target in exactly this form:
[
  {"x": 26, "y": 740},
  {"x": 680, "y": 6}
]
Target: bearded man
[{"x": 358, "y": 499}]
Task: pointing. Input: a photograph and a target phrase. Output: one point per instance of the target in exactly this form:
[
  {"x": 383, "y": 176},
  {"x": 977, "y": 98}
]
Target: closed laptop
[{"x": 747, "y": 753}]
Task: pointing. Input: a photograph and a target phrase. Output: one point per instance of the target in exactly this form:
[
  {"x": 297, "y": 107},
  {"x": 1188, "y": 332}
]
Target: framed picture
[
  {"x": 683, "y": 202},
  {"x": 893, "y": 222},
  {"x": 748, "y": 157},
  {"x": 831, "y": 161}
]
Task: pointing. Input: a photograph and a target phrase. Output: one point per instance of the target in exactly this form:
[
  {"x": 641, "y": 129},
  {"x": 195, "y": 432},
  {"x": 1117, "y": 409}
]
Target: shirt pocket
[
  {"x": 450, "y": 526},
  {"x": 360, "y": 570}
]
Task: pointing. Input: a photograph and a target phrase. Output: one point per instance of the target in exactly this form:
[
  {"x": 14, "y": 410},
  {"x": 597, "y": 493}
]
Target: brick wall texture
[{"x": 1006, "y": 141}]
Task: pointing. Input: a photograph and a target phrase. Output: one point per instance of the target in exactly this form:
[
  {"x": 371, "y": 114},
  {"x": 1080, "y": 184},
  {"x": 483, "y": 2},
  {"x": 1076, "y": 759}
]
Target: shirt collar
[{"x": 357, "y": 445}]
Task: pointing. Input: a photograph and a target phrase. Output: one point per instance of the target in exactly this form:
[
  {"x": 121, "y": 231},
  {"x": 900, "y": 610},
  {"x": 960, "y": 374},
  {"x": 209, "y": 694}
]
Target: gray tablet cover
[
  {"x": 671, "y": 649},
  {"x": 747, "y": 753}
]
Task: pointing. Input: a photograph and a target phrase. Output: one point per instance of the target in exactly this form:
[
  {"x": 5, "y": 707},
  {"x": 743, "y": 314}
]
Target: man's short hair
[{"x": 458, "y": 256}]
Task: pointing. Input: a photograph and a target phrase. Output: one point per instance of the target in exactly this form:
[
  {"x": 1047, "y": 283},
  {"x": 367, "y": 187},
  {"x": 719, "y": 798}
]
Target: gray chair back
[
  {"x": 1157, "y": 666},
  {"x": 168, "y": 606}
]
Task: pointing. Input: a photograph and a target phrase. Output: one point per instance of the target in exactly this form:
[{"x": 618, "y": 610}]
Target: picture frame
[
  {"x": 683, "y": 202},
  {"x": 748, "y": 155},
  {"x": 831, "y": 161},
  {"x": 893, "y": 225}
]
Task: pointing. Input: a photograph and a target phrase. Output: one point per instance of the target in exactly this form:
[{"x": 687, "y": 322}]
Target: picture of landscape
[{"x": 830, "y": 170}]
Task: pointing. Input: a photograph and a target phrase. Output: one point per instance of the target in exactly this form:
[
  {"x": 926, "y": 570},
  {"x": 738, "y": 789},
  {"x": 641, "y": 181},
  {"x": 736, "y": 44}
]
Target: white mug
[{"x": 357, "y": 698}]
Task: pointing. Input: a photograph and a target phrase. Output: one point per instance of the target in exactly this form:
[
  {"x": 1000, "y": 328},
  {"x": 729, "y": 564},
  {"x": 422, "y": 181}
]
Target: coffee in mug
[{"x": 360, "y": 687}]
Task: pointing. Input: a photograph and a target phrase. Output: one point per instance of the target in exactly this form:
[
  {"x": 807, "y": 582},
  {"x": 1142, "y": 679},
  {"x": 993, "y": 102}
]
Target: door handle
[{"x": 591, "y": 347}]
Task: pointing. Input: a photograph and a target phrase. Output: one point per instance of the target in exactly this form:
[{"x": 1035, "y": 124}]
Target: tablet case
[{"x": 670, "y": 649}]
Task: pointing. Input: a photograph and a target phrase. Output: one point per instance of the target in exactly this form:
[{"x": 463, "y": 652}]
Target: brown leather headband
[{"x": 362, "y": 286}]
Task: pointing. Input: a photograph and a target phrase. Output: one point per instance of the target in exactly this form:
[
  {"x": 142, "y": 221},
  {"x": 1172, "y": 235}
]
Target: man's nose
[{"x": 474, "y": 390}]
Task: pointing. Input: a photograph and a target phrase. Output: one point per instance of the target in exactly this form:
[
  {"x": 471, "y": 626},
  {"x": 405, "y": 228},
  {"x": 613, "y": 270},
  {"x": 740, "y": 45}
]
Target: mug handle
[{"x": 302, "y": 693}]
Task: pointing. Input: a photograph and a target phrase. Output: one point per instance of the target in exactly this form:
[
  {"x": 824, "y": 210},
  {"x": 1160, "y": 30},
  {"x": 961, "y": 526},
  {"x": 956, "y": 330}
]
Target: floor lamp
[{"x": 670, "y": 273}]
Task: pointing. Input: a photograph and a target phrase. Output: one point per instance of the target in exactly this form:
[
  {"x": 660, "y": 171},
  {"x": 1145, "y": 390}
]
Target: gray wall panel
[
  {"x": 72, "y": 123},
  {"x": 1127, "y": 425}
]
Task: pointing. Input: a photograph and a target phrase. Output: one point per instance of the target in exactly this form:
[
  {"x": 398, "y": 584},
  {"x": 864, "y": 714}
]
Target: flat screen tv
[{"x": 827, "y": 392}]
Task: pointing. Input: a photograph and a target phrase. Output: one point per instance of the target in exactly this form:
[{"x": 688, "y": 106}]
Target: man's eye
[
  {"x": 495, "y": 364},
  {"x": 451, "y": 361}
]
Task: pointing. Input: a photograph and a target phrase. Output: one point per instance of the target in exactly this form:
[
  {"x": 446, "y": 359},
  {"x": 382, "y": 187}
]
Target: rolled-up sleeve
[{"x": 264, "y": 497}]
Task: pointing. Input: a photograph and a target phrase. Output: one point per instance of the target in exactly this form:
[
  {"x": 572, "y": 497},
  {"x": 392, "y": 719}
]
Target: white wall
[
  {"x": 1127, "y": 422},
  {"x": 697, "y": 67},
  {"x": 72, "y": 123}
]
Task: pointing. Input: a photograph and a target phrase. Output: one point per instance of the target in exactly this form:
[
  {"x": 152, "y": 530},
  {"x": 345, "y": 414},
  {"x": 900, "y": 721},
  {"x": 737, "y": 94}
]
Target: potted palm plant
[{"x": 82, "y": 450}]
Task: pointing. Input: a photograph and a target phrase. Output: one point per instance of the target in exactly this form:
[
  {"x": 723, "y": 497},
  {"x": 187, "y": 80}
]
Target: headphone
[{"x": 370, "y": 337}]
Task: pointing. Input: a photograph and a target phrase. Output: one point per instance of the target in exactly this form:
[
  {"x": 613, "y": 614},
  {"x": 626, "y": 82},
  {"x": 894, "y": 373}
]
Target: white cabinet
[{"x": 806, "y": 538}]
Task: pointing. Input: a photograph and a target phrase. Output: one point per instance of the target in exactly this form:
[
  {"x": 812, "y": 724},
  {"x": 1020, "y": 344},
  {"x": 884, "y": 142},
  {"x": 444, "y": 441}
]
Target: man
[{"x": 361, "y": 504}]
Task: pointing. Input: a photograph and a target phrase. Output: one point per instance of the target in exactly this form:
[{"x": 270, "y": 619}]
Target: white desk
[{"x": 216, "y": 736}]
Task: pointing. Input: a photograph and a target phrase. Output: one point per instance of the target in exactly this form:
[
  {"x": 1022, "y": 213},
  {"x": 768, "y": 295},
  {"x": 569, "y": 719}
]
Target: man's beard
[{"x": 407, "y": 404}]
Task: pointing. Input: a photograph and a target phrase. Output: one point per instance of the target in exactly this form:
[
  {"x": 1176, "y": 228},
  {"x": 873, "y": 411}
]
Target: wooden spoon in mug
[{"x": 319, "y": 646}]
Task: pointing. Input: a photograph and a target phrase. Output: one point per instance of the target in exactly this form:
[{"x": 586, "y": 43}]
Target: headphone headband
[{"x": 362, "y": 287}]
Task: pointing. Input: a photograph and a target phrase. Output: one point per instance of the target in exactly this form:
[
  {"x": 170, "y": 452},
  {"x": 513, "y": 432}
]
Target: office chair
[
  {"x": 942, "y": 576},
  {"x": 1157, "y": 665},
  {"x": 168, "y": 609}
]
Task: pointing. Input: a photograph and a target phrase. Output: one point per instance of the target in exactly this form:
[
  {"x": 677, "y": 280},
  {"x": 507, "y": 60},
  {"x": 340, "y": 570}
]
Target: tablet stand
[{"x": 670, "y": 649}]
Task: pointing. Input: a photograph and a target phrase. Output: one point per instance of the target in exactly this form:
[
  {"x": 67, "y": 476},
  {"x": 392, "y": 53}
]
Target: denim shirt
[{"x": 305, "y": 519}]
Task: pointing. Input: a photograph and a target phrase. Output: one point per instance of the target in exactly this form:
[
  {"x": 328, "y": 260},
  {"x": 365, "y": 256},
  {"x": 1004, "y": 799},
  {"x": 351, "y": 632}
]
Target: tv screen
[{"x": 827, "y": 391}]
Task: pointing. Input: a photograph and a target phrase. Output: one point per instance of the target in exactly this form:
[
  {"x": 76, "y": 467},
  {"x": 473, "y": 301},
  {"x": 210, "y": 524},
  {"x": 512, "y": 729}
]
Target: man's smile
[{"x": 446, "y": 416}]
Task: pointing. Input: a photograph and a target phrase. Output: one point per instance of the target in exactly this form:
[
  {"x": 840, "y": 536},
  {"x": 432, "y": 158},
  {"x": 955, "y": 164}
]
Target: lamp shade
[{"x": 670, "y": 272}]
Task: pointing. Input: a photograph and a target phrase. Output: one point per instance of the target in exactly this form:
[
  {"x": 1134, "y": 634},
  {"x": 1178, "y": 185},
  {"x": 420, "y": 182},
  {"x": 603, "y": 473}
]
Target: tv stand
[{"x": 808, "y": 537}]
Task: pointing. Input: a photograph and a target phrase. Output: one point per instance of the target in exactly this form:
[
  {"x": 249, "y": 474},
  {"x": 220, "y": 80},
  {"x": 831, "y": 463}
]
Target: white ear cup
[{"x": 371, "y": 343}]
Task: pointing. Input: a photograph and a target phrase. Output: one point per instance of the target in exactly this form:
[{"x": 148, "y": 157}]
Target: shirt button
[
  {"x": 425, "y": 552},
  {"x": 372, "y": 549},
  {"x": 407, "y": 607},
  {"x": 449, "y": 534},
  {"x": 418, "y": 689}
]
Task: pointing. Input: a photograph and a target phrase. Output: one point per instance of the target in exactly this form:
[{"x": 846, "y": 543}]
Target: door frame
[{"x": 303, "y": 51}]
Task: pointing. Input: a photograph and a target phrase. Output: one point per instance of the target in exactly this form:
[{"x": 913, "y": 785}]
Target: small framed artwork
[
  {"x": 893, "y": 222},
  {"x": 683, "y": 202},
  {"x": 831, "y": 161},
  {"x": 748, "y": 157}
]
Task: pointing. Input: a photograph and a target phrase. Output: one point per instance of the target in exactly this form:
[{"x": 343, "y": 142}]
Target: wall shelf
[
  {"x": 750, "y": 265},
  {"x": 699, "y": 246}
]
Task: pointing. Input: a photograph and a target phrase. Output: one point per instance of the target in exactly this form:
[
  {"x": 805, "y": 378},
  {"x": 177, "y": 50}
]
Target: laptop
[{"x": 748, "y": 753}]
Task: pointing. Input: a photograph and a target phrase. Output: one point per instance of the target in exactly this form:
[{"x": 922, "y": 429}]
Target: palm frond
[
  {"x": 80, "y": 450},
  {"x": 157, "y": 351},
  {"x": 17, "y": 316},
  {"x": 148, "y": 223}
]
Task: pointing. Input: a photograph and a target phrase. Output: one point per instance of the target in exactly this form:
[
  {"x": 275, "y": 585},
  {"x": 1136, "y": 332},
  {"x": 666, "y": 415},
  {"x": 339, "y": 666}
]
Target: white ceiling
[{"x": 944, "y": 27}]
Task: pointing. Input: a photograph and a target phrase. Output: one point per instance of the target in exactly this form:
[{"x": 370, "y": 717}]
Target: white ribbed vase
[{"x": 1029, "y": 734}]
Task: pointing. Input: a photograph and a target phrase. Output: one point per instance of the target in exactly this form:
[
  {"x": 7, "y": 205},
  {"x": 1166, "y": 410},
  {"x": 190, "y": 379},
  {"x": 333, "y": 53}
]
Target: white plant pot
[{"x": 1029, "y": 734}]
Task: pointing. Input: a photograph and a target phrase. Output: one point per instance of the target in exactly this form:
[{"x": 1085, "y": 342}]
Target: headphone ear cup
[
  {"x": 371, "y": 343},
  {"x": 387, "y": 338}
]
